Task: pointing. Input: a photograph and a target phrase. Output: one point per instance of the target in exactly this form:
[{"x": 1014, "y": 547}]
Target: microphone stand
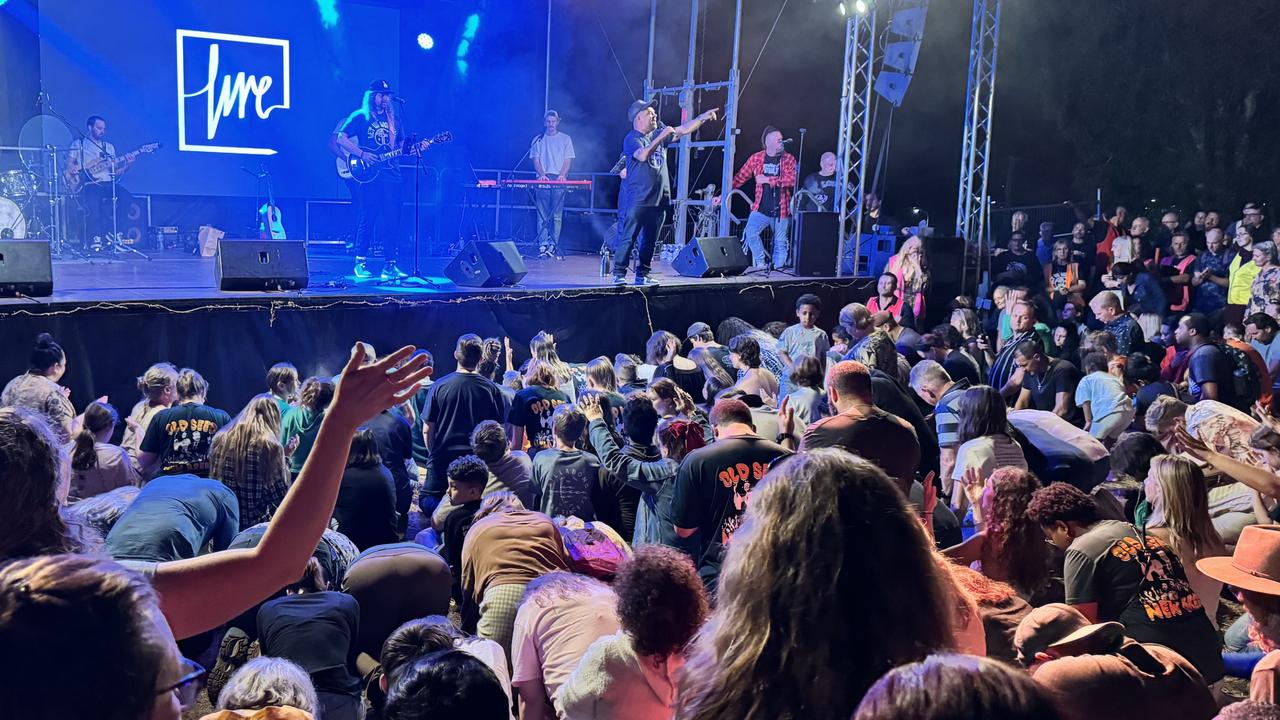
[
  {"x": 65, "y": 246},
  {"x": 416, "y": 276}
]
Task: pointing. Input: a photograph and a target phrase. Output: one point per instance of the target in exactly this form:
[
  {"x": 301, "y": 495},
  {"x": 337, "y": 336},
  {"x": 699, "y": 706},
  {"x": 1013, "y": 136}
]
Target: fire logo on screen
[{"x": 227, "y": 97}]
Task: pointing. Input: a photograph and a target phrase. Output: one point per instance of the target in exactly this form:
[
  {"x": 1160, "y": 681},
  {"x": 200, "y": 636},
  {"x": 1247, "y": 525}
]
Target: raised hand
[
  {"x": 590, "y": 407},
  {"x": 1264, "y": 416},
  {"x": 787, "y": 417},
  {"x": 1192, "y": 444},
  {"x": 973, "y": 483},
  {"x": 363, "y": 392}
]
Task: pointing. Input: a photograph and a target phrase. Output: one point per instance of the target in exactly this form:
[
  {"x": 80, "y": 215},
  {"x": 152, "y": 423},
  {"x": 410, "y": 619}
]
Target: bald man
[{"x": 821, "y": 186}]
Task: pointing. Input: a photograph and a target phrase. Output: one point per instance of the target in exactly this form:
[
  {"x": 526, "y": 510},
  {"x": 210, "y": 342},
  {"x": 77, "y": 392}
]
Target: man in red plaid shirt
[{"x": 775, "y": 174}]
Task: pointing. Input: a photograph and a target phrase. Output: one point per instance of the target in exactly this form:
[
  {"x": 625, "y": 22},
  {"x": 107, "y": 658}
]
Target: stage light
[
  {"x": 328, "y": 13},
  {"x": 843, "y": 10},
  {"x": 425, "y": 41},
  {"x": 860, "y": 7},
  {"x": 469, "y": 29}
]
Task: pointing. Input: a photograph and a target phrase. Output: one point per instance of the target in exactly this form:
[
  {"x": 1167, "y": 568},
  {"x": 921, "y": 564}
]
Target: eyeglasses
[{"x": 189, "y": 685}]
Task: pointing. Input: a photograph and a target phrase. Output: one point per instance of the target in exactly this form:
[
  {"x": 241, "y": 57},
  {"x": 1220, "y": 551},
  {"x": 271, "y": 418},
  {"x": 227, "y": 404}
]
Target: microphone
[
  {"x": 39, "y": 98},
  {"x": 398, "y": 99},
  {"x": 788, "y": 141}
]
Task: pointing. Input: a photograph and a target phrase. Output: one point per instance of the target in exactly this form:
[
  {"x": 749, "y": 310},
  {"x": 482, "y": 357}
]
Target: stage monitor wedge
[
  {"x": 262, "y": 265},
  {"x": 487, "y": 265},
  {"x": 710, "y": 257},
  {"x": 26, "y": 268}
]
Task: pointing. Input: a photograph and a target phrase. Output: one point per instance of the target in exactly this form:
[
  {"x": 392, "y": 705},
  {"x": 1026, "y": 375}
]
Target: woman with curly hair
[
  {"x": 631, "y": 674},
  {"x": 807, "y": 615},
  {"x": 1007, "y": 546}
]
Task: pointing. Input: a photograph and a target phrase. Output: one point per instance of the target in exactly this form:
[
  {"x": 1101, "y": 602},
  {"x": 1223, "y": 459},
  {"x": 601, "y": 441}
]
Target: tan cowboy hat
[{"x": 1254, "y": 566}]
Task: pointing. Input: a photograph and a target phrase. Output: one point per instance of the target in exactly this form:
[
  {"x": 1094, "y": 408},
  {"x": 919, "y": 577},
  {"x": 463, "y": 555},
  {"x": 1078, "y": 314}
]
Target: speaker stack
[{"x": 26, "y": 268}]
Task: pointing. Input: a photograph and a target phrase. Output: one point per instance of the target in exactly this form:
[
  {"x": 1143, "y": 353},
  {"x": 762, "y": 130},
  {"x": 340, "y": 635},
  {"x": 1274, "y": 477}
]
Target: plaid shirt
[
  {"x": 786, "y": 180},
  {"x": 259, "y": 493}
]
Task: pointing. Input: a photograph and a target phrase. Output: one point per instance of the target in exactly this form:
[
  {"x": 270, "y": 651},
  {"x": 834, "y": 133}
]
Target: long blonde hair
[
  {"x": 1184, "y": 498},
  {"x": 908, "y": 265},
  {"x": 801, "y": 587},
  {"x": 254, "y": 433}
]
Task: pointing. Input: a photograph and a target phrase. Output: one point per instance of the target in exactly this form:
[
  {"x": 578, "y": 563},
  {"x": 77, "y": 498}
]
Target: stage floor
[{"x": 182, "y": 278}]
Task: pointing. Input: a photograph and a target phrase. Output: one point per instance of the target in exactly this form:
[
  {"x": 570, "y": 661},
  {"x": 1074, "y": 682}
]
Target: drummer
[{"x": 95, "y": 193}]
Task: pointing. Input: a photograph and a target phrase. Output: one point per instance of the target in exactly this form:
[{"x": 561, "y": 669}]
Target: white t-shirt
[
  {"x": 988, "y": 454},
  {"x": 87, "y": 152},
  {"x": 614, "y": 683},
  {"x": 547, "y": 642},
  {"x": 552, "y": 151},
  {"x": 1105, "y": 394}
]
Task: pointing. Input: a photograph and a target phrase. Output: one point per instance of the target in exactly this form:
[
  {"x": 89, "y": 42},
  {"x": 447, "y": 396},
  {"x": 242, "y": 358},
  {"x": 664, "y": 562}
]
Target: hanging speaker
[
  {"x": 487, "y": 265},
  {"x": 262, "y": 265},
  {"x": 711, "y": 256}
]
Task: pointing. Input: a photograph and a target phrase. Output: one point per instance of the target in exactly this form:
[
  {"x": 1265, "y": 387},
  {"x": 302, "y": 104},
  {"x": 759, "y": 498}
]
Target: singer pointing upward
[
  {"x": 647, "y": 186},
  {"x": 774, "y": 171}
]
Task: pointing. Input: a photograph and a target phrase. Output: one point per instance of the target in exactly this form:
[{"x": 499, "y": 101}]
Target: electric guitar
[
  {"x": 76, "y": 174},
  {"x": 363, "y": 171}
]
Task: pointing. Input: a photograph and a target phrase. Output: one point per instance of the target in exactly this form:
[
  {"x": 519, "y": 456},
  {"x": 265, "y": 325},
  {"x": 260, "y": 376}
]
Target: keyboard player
[{"x": 552, "y": 155}]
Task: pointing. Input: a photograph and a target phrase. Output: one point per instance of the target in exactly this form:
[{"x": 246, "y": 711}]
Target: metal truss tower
[
  {"x": 855, "y": 128},
  {"x": 973, "y": 205},
  {"x": 686, "y": 94}
]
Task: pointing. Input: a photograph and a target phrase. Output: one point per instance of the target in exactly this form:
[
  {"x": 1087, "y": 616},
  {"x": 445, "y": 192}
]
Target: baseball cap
[
  {"x": 1061, "y": 626},
  {"x": 638, "y": 107},
  {"x": 697, "y": 329},
  {"x": 381, "y": 86}
]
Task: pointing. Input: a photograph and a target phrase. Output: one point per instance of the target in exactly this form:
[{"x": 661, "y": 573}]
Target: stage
[{"x": 116, "y": 317}]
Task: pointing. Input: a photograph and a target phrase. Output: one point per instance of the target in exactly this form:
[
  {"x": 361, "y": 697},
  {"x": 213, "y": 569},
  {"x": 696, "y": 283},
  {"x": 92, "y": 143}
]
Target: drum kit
[{"x": 35, "y": 201}]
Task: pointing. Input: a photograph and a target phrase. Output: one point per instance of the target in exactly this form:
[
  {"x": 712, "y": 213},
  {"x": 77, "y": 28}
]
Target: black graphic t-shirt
[
  {"x": 647, "y": 183},
  {"x": 769, "y": 201},
  {"x": 1140, "y": 582},
  {"x": 373, "y": 133},
  {"x": 1011, "y": 269},
  {"x": 532, "y": 410},
  {"x": 182, "y": 437},
  {"x": 823, "y": 188},
  {"x": 712, "y": 490}
]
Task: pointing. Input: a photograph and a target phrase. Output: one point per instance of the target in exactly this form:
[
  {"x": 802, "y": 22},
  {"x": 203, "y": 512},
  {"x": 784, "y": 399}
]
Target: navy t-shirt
[
  {"x": 1209, "y": 364},
  {"x": 374, "y": 135},
  {"x": 175, "y": 517},
  {"x": 532, "y": 411},
  {"x": 647, "y": 183}
]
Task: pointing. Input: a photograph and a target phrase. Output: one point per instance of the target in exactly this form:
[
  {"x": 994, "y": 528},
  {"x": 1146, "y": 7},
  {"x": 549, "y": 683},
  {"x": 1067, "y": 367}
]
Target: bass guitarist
[
  {"x": 95, "y": 184},
  {"x": 375, "y": 128}
]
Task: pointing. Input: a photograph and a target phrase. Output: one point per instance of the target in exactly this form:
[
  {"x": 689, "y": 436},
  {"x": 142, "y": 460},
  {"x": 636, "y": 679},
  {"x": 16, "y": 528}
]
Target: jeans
[
  {"x": 550, "y": 204},
  {"x": 642, "y": 225},
  {"x": 378, "y": 231},
  {"x": 756, "y": 224},
  {"x": 1236, "y": 637}
]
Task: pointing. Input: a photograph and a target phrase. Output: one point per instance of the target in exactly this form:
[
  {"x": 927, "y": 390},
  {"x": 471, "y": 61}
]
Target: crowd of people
[{"x": 1033, "y": 508}]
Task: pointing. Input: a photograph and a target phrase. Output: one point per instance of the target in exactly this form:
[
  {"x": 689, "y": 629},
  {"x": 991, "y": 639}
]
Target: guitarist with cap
[{"x": 377, "y": 127}]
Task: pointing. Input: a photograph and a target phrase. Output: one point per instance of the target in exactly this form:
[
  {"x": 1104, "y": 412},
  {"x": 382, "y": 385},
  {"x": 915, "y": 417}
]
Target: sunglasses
[{"x": 189, "y": 685}]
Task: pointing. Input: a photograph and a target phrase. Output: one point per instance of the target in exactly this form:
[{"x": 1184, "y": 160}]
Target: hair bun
[{"x": 44, "y": 340}]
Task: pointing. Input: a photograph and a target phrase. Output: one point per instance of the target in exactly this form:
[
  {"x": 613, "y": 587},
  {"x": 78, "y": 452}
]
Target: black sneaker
[
  {"x": 233, "y": 653},
  {"x": 646, "y": 281}
]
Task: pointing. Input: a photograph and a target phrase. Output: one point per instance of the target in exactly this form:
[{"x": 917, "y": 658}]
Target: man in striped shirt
[{"x": 1005, "y": 375}]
